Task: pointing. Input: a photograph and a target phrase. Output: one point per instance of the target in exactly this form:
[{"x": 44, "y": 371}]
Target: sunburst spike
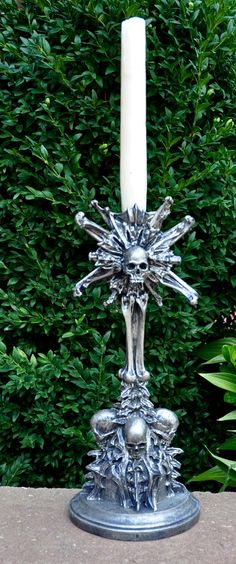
[
  {"x": 90, "y": 227},
  {"x": 170, "y": 237},
  {"x": 104, "y": 212},
  {"x": 136, "y": 229},
  {"x": 157, "y": 217}
]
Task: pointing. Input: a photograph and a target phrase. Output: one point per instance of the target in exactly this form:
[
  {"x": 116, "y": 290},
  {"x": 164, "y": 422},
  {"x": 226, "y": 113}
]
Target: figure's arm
[{"x": 94, "y": 276}]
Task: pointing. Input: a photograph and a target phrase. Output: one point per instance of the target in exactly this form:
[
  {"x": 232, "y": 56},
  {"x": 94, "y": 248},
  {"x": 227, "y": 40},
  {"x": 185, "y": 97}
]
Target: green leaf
[
  {"x": 230, "y": 26},
  {"x": 44, "y": 151},
  {"x": 215, "y": 360},
  {"x": 225, "y": 380},
  {"x": 215, "y": 473},
  {"x": 229, "y": 397},
  {"x": 229, "y": 417},
  {"x": 3, "y": 347},
  {"x": 68, "y": 335},
  {"x": 215, "y": 348},
  {"x": 225, "y": 464},
  {"x": 33, "y": 361},
  {"x": 60, "y": 92},
  {"x": 229, "y": 444},
  {"x": 46, "y": 46},
  {"x": 59, "y": 167},
  {"x": 106, "y": 337},
  {"x": 229, "y": 353},
  {"x": 18, "y": 355}
]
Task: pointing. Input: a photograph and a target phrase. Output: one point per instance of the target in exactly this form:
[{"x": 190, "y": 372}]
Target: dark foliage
[{"x": 59, "y": 104}]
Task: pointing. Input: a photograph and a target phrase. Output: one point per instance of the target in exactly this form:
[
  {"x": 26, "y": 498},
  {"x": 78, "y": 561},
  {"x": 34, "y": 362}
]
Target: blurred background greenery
[{"x": 59, "y": 114}]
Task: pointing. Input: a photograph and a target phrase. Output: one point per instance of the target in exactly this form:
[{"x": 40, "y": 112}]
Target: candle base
[
  {"x": 131, "y": 492},
  {"x": 107, "y": 519}
]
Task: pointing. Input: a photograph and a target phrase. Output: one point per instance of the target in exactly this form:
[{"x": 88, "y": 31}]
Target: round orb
[
  {"x": 129, "y": 378},
  {"x": 136, "y": 430},
  {"x": 166, "y": 422},
  {"x": 103, "y": 421}
]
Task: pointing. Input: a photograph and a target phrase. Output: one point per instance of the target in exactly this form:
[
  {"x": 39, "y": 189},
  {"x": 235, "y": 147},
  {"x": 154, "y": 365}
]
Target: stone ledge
[{"x": 35, "y": 529}]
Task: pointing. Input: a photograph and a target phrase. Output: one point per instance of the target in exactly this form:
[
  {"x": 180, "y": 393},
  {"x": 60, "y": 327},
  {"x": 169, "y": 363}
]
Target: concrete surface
[{"x": 35, "y": 529}]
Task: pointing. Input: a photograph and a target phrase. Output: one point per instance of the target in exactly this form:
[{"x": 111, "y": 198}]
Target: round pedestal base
[{"x": 175, "y": 514}]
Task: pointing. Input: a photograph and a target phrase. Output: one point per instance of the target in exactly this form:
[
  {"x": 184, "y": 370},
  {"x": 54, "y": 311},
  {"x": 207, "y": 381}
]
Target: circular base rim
[{"x": 175, "y": 515}]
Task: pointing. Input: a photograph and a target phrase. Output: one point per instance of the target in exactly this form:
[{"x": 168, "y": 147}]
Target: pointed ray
[
  {"x": 164, "y": 258},
  {"x": 90, "y": 227},
  {"x": 112, "y": 243},
  {"x": 104, "y": 212},
  {"x": 106, "y": 260},
  {"x": 135, "y": 216},
  {"x": 155, "y": 219},
  {"x": 94, "y": 276},
  {"x": 171, "y": 280},
  {"x": 171, "y": 236},
  {"x": 153, "y": 292},
  {"x": 111, "y": 220},
  {"x": 118, "y": 227}
]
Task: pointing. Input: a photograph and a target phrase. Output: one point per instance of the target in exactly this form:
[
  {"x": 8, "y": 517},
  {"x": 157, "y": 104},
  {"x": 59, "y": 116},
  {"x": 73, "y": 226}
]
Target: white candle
[{"x": 133, "y": 143}]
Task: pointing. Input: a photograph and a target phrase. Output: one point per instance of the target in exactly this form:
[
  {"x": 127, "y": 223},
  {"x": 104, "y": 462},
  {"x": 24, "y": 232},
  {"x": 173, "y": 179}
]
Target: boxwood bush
[{"x": 60, "y": 106}]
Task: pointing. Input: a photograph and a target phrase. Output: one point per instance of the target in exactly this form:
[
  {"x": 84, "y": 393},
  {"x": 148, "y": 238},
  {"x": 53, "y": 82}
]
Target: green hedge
[{"x": 59, "y": 102}]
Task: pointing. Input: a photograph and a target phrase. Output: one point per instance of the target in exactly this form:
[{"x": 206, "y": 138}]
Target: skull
[
  {"x": 103, "y": 423},
  {"x": 166, "y": 424},
  {"x": 136, "y": 437},
  {"x": 136, "y": 264}
]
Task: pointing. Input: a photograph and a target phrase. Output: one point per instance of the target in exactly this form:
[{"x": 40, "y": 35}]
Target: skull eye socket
[
  {"x": 143, "y": 266},
  {"x": 136, "y": 445},
  {"x": 131, "y": 265}
]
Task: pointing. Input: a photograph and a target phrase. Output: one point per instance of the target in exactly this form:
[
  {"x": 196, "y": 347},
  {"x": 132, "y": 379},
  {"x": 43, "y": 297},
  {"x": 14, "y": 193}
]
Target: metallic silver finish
[
  {"x": 135, "y": 254},
  {"x": 174, "y": 516},
  {"x": 131, "y": 490}
]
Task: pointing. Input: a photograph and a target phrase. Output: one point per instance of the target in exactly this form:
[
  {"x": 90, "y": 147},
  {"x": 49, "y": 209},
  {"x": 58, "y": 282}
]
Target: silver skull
[
  {"x": 103, "y": 423},
  {"x": 136, "y": 264},
  {"x": 166, "y": 424},
  {"x": 136, "y": 437}
]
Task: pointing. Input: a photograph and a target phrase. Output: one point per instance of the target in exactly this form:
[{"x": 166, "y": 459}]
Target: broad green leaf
[
  {"x": 224, "y": 380},
  {"x": 215, "y": 360},
  {"x": 215, "y": 348},
  {"x": 226, "y": 464},
  {"x": 229, "y": 353},
  {"x": 216, "y": 474},
  {"x": 229, "y": 444},
  {"x": 229, "y": 417}
]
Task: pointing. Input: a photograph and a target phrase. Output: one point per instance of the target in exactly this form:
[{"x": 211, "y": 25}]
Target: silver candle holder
[{"x": 132, "y": 492}]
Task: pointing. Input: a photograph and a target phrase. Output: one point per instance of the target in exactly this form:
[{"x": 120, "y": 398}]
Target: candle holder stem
[{"x": 134, "y": 312}]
